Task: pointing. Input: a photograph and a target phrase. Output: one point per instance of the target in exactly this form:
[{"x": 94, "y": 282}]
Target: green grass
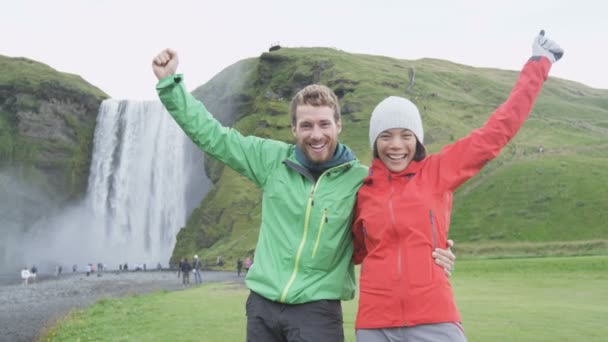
[
  {"x": 540, "y": 299},
  {"x": 506, "y": 250},
  {"x": 547, "y": 299},
  {"x": 32, "y": 78},
  {"x": 499, "y": 203},
  {"x": 521, "y": 196}
]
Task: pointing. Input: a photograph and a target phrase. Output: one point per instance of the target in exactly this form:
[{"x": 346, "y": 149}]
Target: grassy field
[
  {"x": 523, "y": 195},
  {"x": 536, "y": 299}
]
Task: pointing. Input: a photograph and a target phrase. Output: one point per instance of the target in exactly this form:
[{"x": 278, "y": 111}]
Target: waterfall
[
  {"x": 139, "y": 177},
  {"x": 145, "y": 178}
]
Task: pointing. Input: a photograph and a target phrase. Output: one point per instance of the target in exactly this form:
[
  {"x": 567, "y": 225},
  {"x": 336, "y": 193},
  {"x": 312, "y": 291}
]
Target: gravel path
[{"x": 26, "y": 310}]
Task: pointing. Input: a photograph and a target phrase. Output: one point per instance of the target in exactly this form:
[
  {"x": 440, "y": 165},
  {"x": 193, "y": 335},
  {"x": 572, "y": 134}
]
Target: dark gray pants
[
  {"x": 268, "y": 321},
  {"x": 444, "y": 332}
]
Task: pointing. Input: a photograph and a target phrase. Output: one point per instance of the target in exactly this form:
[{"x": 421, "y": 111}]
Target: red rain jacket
[{"x": 400, "y": 218}]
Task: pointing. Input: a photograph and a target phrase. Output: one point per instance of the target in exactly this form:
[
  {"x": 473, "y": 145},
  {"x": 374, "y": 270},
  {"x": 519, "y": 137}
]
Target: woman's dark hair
[{"x": 420, "y": 151}]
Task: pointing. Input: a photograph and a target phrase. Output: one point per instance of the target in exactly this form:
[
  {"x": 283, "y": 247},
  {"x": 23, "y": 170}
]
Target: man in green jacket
[{"x": 303, "y": 263}]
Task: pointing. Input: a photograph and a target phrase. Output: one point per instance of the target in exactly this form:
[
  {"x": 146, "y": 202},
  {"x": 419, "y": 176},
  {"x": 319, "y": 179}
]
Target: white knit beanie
[{"x": 395, "y": 112}]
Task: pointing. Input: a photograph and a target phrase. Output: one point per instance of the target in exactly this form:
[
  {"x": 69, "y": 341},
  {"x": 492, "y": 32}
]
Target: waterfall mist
[{"x": 145, "y": 178}]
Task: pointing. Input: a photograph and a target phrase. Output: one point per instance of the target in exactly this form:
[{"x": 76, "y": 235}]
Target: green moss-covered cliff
[
  {"x": 547, "y": 185},
  {"x": 47, "y": 122}
]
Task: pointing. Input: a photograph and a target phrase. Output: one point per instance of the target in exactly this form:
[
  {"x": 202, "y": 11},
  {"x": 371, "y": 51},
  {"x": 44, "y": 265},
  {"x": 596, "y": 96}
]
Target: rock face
[{"x": 47, "y": 121}]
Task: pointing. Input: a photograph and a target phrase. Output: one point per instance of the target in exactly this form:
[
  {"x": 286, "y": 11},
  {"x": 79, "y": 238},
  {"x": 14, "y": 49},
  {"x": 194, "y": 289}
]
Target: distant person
[
  {"x": 125, "y": 267},
  {"x": 248, "y": 264},
  {"x": 74, "y": 268},
  {"x": 304, "y": 248},
  {"x": 239, "y": 267},
  {"x": 186, "y": 268},
  {"x": 33, "y": 273},
  {"x": 404, "y": 296},
  {"x": 159, "y": 267},
  {"x": 196, "y": 263},
  {"x": 87, "y": 269},
  {"x": 25, "y": 276},
  {"x": 120, "y": 267},
  {"x": 219, "y": 261},
  {"x": 179, "y": 268}
]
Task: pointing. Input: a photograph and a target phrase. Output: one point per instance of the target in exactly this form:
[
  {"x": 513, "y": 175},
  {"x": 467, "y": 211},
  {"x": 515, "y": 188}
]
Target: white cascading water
[
  {"x": 145, "y": 177},
  {"x": 138, "y": 179}
]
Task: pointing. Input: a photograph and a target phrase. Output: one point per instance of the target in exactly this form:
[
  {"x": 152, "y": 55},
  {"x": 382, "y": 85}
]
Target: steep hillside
[
  {"x": 47, "y": 121},
  {"x": 524, "y": 195}
]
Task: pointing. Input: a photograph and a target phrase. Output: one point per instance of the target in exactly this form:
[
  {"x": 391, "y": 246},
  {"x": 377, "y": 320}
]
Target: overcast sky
[{"x": 111, "y": 43}]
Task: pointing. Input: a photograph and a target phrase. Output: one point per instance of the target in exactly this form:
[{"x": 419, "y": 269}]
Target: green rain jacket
[{"x": 304, "y": 250}]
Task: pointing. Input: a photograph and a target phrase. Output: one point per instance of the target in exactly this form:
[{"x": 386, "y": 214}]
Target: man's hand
[
  {"x": 165, "y": 63},
  {"x": 445, "y": 258},
  {"x": 542, "y": 46}
]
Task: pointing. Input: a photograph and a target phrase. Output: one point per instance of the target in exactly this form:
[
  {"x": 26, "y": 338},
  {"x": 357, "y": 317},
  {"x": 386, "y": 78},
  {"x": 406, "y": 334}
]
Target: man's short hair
[{"x": 315, "y": 95}]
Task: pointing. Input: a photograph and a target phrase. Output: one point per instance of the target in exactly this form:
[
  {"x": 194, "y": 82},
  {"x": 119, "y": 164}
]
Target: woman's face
[{"x": 396, "y": 148}]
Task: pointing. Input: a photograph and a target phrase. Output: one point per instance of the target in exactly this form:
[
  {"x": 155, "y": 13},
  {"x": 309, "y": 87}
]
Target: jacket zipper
[
  {"x": 305, "y": 233},
  {"x": 321, "y": 225},
  {"x": 301, "y": 247},
  {"x": 394, "y": 224},
  {"x": 399, "y": 251},
  {"x": 433, "y": 229}
]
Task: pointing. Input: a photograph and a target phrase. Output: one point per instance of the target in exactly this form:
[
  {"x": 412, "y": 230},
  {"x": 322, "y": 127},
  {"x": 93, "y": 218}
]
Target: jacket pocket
[
  {"x": 319, "y": 233},
  {"x": 322, "y": 252},
  {"x": 327, "y": 243},
  {"x": 419, "y": 265}
]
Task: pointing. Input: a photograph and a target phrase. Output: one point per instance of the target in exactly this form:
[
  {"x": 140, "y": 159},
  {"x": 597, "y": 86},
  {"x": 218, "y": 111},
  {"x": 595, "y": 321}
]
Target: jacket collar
[
  {"x": 342, "y": 155},
  {"x": 379, "y": 172}
]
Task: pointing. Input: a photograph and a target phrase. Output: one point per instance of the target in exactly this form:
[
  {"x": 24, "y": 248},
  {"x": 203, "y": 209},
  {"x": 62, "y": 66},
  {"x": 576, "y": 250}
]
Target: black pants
[{"x": 268, "y": 321}]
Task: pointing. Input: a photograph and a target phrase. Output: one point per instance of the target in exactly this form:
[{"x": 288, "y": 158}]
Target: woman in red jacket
[{"x": 403, "y": 210}]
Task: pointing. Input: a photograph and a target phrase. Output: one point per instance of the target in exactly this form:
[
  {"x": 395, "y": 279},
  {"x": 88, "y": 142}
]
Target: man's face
[{"x": 316, "y": 132}]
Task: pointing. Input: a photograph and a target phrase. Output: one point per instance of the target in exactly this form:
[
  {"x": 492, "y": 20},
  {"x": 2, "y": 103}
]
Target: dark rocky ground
[{"x": 26, "y": 310}]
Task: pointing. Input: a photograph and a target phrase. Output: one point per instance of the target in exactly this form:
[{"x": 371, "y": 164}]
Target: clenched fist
[{"x": 165, "y": 63}]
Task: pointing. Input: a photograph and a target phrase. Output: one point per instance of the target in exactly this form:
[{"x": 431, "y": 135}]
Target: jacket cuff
[
  {"x": 545, "y": 62},
  {"x": 169, "y": 81}
]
